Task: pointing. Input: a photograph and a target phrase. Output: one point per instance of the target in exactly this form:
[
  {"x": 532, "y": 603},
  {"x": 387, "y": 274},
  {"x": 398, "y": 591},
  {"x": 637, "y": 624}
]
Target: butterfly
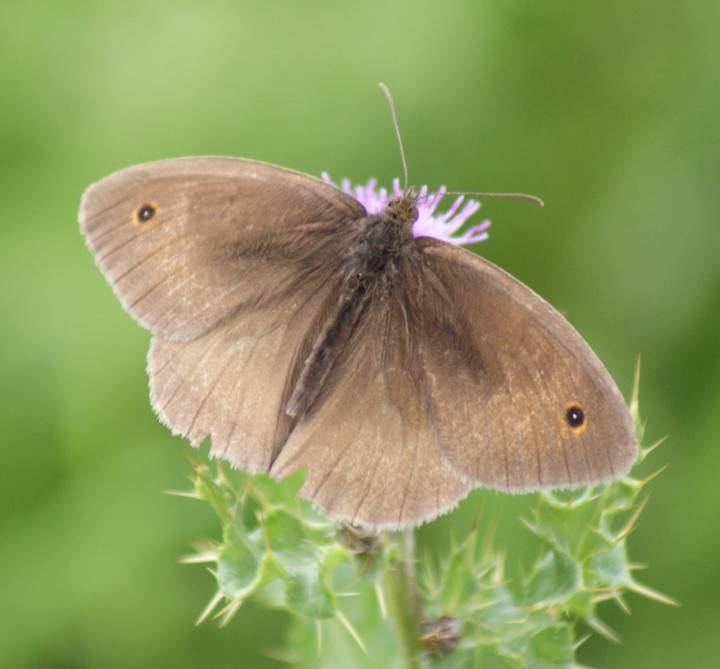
[{"x": 298, "y": 331}]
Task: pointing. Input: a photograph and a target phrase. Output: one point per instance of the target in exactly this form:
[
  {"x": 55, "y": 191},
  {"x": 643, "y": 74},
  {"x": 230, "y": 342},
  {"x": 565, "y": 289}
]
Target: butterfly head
[{"x": 402, "y": 209}]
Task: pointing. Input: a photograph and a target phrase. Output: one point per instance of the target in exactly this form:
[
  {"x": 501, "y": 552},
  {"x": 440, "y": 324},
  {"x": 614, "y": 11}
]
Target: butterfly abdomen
[{"x": 368, "y": 270}]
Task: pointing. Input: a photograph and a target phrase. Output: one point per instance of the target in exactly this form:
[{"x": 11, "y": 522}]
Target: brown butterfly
[{"x": 298, "y": 331}]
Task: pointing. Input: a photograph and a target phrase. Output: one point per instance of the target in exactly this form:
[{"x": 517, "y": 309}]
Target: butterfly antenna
[
  {"x": 391, "y": 103},
  {"x": 515, "y": 196},
  {"x": 388, "y": 95}
]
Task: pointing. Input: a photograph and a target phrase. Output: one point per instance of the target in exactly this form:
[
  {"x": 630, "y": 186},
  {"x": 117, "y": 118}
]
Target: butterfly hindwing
[{"x": 369, "y": 442}]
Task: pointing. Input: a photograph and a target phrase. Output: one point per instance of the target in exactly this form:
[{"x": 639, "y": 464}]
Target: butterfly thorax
[
  {"x": 381, "y": 241},
  {"x": 370, "y": 266}
]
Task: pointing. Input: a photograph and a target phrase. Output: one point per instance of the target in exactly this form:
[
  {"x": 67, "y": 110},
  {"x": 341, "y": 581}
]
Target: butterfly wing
[
  {"x": 458, "y": 376},
  {"x": 369, "y": 440},
  {"x": 234, "y": 381},
  {"x": 520, "y": 401},
  {"x": 233, "y": 272},
  {"x": 187, "y": 242}
]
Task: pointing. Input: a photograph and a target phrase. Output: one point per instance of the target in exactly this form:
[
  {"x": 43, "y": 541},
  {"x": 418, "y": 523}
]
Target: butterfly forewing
[
  {"x": 187, "y": 242},
  {"x": 507, "y": 371}
]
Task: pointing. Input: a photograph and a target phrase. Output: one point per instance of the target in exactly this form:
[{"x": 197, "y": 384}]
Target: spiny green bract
[{"x": 333, "y": 578}]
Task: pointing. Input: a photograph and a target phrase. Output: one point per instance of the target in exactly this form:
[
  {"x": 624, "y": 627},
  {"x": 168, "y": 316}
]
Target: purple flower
[{"x": 430, "y": 223}]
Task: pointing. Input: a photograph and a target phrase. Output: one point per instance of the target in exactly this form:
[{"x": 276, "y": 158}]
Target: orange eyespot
[
  {"x": 575, "y": 417},
  {"x": 145, "y": 213}
]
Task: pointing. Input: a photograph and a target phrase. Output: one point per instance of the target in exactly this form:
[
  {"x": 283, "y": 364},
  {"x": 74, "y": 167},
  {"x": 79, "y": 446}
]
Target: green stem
[{"x": 405, "y": 600}]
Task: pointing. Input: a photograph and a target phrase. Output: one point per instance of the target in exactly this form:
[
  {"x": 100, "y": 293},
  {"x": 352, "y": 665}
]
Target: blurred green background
[{"x": 608, "y": 111}]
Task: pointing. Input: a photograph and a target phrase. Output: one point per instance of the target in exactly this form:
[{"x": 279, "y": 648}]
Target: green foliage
[
  {"x": 335, "y": 580},
  {"x": 273, "y": 544}
]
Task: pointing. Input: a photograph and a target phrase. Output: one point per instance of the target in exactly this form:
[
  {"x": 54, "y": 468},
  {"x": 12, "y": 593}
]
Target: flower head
[{"x": 430, "y": 223}]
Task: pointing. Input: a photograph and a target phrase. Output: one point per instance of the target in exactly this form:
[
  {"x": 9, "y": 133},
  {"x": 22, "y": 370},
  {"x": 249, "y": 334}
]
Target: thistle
[{"x": 359, "y": 599}]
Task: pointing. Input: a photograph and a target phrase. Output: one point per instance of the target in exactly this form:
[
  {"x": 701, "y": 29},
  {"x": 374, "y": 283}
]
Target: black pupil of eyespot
[
  {"x": 575, "y": 416},
  {"x": 146, "y": 212}
]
